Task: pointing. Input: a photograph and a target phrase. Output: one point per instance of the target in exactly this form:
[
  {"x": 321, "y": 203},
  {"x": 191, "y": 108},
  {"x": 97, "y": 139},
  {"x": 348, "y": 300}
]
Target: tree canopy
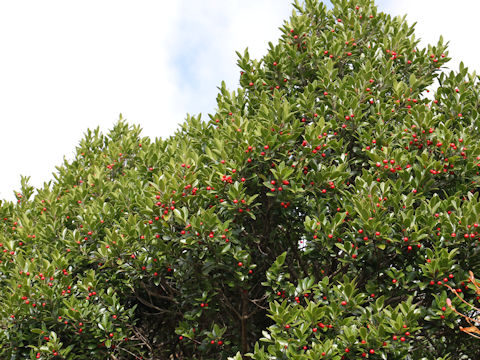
[{"x": 319, "y": 213}]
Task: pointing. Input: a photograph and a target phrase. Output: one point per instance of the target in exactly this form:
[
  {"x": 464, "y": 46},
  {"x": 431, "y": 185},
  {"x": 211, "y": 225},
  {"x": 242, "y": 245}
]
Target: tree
[{"x": 317, "y": 214}]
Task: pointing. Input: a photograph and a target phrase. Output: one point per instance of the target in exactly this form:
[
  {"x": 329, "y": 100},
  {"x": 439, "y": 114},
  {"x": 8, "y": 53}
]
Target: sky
[{"x": 67, "y": 66}]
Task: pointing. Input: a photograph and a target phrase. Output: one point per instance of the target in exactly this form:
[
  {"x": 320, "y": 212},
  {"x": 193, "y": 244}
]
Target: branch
[
  {"x": 156, "y": 294},
  {"x": 456, "y": 294},
  {"x": 140, "y": 336},
  {"x": 394, "y": 299},
  {"x": 254, "y": 301},
  {"x": 342, "y": 269},
  {"x": 129, "y": 352},
  {"x": 230, "y": 306},
  {"x": 152, "y": 306}
]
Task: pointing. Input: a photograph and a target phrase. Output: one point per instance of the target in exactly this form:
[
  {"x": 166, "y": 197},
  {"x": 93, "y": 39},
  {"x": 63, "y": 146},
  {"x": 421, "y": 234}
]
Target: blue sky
[{"x": 67, "y": 66}]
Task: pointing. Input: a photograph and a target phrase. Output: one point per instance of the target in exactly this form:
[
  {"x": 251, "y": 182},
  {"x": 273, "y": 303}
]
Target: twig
[
  {"x": 143, "y": 338},
  {"x": 127, "y": 351}
]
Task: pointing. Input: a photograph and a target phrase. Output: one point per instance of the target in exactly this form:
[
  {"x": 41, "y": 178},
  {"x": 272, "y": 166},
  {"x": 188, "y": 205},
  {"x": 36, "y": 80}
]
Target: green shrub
[{"x": 316, "y": 215}]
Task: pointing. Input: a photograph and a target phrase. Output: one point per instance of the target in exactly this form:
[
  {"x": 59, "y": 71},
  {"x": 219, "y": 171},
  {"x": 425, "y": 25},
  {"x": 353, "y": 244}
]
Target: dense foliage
[{"x": 317, "y": 214}]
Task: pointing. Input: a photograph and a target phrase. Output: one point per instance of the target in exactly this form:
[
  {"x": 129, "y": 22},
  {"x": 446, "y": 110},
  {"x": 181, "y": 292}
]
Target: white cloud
[
  {"x": 67, "y": 66},
  {"x": 455, "y": 20},
  {"x": 211, "y": 35}
]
